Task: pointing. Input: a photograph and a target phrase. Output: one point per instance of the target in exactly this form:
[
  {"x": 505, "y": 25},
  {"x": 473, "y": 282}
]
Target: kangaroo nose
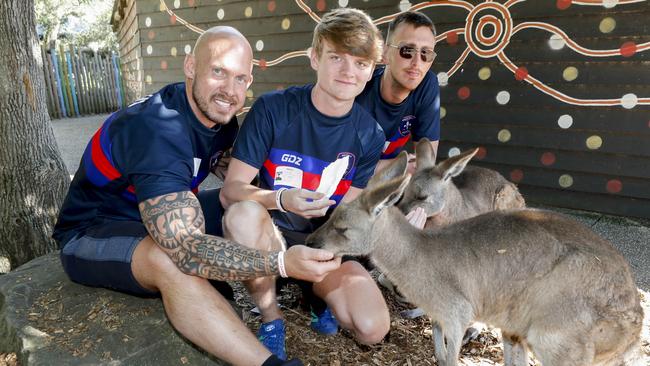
[{"x": 313, "y": 243}]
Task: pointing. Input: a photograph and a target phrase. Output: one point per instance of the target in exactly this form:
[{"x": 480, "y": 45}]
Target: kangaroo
[
  {"x": 452, "y": 191},
  {"x": 551, "y": 284}
]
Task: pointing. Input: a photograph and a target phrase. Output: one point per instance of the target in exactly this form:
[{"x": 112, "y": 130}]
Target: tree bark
[{"x": 33, "y": 177}]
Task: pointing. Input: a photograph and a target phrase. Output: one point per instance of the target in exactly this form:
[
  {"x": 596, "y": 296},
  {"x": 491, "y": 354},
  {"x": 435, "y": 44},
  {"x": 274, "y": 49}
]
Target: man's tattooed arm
[{"x": 175, "y": 221}]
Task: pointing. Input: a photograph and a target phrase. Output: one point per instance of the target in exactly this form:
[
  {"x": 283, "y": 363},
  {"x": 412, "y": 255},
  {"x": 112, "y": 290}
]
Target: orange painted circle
[
  {"x": 480, "y": 30},
  {"x": 151, "y": 34},
  {"x": 628, "y": 49},
  {"x": 614, "y": 186},
  {"x": 496, "y": 42},
  {"x": 516, "y": 175},
  {"x": 563, "y": 4},
  {"x": 163, "y": 65},
  {"x": 521, "y": 73},
  {"x": 321, "y": 5},
  {"x": 271, "y": 6},
  {"x": 463, "y": 93},
  {"x": 548, "y": 158},
  {"x": 262, "y": 64},
  {"x": 481, "y": 153},
  {"x": 452, "y": 38},
  {"x": 172, "y": 19}
]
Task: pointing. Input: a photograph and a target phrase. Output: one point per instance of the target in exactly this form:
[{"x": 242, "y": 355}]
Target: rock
[{"x": 48, "y": 320}]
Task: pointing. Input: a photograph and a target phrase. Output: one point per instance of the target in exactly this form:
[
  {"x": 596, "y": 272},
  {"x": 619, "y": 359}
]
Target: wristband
[
  {"x": 278, "y": 199},
  {"x": 281, "y": 269}
]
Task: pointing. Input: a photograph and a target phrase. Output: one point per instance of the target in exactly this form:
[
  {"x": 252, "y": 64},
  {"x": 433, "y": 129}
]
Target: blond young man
[{"x": 289, "y": 137}]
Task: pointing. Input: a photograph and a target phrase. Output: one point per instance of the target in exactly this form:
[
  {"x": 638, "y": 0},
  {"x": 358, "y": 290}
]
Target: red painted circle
[
  {"x": 481, "y": 153},
  {"x": 614, "y": 186},
  {"x": 321, "y": 5},
  {"x": 548, "y": 158},
  {"x": 463, "y": 93},
  {"x": 271, "y": 6},
  {"x": 628, "y": 49},
  {"x": 563, "y": 4},
  {"x": 452, "y": 38},
  {"x": 516, "y": 175},
  {"x": 151, "y": 34},
  {"x": 521, "y": 73},
  {"x": 262, "y": 64},
  {"x": 172, "y": 19},
  {"x": 163, "y": 65}
]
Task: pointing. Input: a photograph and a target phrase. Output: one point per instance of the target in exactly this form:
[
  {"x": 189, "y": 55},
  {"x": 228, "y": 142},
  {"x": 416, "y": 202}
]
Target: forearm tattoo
[{"x": 176, "y": 223}]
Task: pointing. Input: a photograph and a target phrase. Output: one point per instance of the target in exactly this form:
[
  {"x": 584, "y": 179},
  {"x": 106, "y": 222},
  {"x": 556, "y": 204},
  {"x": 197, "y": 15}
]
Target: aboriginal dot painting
[{"x": 555, "y": 93}]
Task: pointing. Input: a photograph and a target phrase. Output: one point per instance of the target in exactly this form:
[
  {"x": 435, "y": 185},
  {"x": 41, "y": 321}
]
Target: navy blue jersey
[
  {"x": 155, "y": 146},
  {"x": 291, "y": 143},
  {"x": 417, "y": 115}
]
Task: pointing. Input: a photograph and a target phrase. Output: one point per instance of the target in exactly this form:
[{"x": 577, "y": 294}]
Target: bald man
[{"x": 134, "y": 221}]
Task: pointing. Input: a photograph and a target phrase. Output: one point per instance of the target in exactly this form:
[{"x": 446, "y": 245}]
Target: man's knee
[
  {"x": 244, "y": 215},
  {"x": 151, "y": 266}
]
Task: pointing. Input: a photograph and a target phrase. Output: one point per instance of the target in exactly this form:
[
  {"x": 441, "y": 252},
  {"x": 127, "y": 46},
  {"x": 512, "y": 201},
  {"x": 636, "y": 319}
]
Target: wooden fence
[{"x": 81, "y": 82}]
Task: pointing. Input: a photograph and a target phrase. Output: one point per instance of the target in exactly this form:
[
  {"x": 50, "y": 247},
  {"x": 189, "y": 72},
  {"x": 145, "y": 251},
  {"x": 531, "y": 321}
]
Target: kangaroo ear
[
  {"x": 397, "y": 168},
  {"x": 385, "y": 195},
  {"x": 424, "y": 154},
  {"x": 455, "y": 165}
]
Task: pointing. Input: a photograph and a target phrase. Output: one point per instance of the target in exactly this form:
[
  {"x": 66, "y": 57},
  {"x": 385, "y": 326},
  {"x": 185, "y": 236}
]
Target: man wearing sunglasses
[{"x": 404, "y": 96}]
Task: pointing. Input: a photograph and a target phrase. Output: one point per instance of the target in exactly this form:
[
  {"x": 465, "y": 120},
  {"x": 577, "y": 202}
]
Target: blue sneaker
[
  {"x": 272, "y": 335},
  {"x": 325, "y": 323}
]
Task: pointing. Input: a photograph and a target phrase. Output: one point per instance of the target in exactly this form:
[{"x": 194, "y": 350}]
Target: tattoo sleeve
[{"x": 175, "y": 221}]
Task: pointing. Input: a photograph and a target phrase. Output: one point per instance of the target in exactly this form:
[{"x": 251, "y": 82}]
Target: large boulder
[{"x": 48, "y": 320}]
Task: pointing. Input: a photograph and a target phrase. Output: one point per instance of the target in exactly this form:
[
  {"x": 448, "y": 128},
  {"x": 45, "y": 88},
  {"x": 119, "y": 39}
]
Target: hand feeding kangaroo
[
  {"x": 452, "y": 191},
  {"x": 551, "y": 284}
]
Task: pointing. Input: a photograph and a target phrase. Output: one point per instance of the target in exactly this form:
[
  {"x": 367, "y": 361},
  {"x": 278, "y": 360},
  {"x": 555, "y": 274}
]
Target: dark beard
[{"x": 202, "y": 104}]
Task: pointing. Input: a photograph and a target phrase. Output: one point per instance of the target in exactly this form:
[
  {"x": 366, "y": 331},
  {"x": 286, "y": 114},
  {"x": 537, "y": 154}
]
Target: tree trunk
[{"x": 33, "y": 178}]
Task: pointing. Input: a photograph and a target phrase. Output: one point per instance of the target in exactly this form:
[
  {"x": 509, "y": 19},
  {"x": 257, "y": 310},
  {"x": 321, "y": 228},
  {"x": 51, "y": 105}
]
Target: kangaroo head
[
  {"x": 432, "y": 185},
  {"x": 349, "y": 229}
]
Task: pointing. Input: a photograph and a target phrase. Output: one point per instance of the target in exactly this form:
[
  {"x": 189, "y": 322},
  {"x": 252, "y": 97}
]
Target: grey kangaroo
[
  {"x": 452, "y": 191},
  {"x": 549, "y": 283}
]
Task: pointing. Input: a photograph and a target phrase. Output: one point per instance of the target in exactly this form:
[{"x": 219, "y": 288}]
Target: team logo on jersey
[
  {"x": 406, "y": 124},
  {"x": 351, "y": 161}
]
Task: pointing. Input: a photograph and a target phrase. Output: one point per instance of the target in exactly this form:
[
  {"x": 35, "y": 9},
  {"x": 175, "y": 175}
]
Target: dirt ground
[{"x": 408, "y": 342}]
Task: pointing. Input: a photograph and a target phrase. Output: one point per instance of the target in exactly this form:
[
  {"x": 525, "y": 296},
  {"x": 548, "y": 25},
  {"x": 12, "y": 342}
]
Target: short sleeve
[
  {"x": 255, "y": 136},
  {"x": 428, "y": 110},
  {"x": 156, "y": 158}
]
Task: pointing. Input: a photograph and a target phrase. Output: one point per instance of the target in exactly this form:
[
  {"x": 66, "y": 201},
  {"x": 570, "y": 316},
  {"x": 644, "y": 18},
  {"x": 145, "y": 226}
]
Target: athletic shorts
[{"x": 101, "y": 255}]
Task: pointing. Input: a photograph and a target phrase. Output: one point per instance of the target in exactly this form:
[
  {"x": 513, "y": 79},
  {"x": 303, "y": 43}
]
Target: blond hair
[{"x": 349, "y": 31}]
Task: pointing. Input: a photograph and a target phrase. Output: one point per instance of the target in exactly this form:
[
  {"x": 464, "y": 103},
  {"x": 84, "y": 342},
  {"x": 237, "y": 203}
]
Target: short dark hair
[{"x": 414, "y": 18}]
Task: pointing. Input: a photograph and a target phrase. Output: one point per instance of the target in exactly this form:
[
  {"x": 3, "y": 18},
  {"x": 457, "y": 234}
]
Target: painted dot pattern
[
  {"x": 548, "y": 158},
  {"x": 187, "y": 49},
  {"x": 443, "y": 79},
  {"x": 594, "y": 142},
  {"x": 629, "y": 101},
  {"x": 570, "y": 73},
  {"x": 484, "y": 73},
  {"x": 443, "y": 113},
  {"x": 607, "y": 25},
  {"x": 556, "y": 42},
  {"x": 517, "y": 175},
  {"x": 453, "y": 152},
  {"x": 614, "y": 186},
  {"x": 286, "y": 23},
  {"x": 503, "y": 97},
  {"x": 464, "y": 93},
  {"x": 565, "y": 121},
  {"x": 504, "y": 135},
  {"x": 565, "y": 181}
]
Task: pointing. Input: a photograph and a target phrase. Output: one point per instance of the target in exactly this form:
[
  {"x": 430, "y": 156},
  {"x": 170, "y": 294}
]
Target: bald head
[
  {"x": 217, "y": 74},
  {"x": 220, "y": 32}
]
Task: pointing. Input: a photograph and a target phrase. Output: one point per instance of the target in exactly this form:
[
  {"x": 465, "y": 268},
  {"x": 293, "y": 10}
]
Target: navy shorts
[{"x": 101, "y": 255}]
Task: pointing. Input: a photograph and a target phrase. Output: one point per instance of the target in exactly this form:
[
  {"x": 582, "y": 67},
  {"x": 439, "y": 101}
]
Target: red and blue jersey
[
  {"x": 155, "y": 146},
  {"x": 291, "y": 143},
  {"x": 418, "y": 115}
]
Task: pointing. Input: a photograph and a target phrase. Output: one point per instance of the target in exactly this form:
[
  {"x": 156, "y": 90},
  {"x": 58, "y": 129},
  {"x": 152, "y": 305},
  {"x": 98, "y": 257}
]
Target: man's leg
[
  {"x": 250, "y": 224},
  {"x": 356, "y": 302},
  {"x": 195, "y": 308}
]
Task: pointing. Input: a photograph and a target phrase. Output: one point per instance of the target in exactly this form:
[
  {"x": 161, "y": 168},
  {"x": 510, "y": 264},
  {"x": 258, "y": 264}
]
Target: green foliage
[{"x": 83, "y": 23}]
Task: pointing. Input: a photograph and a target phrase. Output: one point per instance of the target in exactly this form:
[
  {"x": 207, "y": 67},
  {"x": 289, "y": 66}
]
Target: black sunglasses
[{"x": 407, "y": 52}]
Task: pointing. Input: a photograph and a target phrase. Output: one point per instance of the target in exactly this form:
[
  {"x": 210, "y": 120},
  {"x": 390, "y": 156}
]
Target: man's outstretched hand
[{"x": 304, "y": 263}]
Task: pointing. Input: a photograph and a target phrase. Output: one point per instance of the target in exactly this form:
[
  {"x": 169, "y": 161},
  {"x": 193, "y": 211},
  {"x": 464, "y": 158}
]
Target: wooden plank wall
[
  {"x": 128, "y": 36},
  {"x": 560, "y": 150}
]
